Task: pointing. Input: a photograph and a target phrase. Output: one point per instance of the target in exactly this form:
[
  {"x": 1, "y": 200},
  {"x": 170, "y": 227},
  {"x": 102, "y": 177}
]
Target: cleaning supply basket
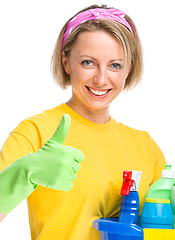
[
  {"x": 111, "y": 229},
  {"x": 157, "y": 214}
]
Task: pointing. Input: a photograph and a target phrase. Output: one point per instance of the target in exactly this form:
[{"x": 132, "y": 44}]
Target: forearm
[
  {"x": 15, "y": 185},
  {"x": 2, "y": 216}
]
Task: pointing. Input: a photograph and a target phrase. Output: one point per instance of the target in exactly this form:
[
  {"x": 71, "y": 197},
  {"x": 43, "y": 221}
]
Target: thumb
[{"x": 61, "y": 132}]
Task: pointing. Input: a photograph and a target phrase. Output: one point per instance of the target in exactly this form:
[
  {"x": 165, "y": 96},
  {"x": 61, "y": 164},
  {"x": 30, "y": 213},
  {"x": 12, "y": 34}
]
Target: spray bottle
[{"x": 129, "y": 210}]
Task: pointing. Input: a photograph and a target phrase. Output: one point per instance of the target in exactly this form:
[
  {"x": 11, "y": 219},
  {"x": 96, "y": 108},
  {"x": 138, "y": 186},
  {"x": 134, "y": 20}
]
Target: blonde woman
[{"x": 68, "y": 161}]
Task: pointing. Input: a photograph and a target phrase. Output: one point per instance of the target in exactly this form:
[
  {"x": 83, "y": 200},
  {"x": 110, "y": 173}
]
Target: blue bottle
[
  {"x": 157, "y": 213},
  {"x": 129, "y": 210}
]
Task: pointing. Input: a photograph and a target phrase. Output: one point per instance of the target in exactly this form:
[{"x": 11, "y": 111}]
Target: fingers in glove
[{"x": 76, "y": 166}]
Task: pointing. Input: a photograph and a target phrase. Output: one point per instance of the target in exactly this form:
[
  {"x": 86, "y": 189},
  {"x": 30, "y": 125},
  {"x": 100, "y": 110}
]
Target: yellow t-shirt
[{"x": 109, "y": 149}]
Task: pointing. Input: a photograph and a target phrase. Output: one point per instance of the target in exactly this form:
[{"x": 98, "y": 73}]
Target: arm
[
  {"x": 2, "y": 216},
  {"x": 160, "y": 161},
  {"x": 15, "y": 146},
  {"x": 53, "y": 166}
]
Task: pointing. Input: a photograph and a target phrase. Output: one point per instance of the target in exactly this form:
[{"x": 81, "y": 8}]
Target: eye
[
  {"x": 87, "y": 63},
  {"x": 116, "y": 66}
]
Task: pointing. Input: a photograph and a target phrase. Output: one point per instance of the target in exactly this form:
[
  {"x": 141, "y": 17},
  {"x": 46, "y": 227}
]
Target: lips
[{"x": 98, "y": 92}]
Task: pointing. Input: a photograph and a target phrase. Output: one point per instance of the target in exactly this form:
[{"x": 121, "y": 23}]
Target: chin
[{"x": 97, "y": 106}]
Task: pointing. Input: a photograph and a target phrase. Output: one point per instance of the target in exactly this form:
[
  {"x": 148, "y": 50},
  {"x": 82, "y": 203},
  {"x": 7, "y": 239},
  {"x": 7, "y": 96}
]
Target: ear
[{"x": 65, "y": 63}]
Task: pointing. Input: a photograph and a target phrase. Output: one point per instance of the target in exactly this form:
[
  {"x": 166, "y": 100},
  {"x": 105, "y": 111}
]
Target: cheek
[
  {"x": 77, "y": 82},
  {"x": 123, "y": 83},
  {"x": 119, "y": 80},
  {"x": 80, "y": 78},
  {"x": 76, "y": 73}
]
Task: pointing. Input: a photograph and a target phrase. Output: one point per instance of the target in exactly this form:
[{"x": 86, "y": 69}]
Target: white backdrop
[{"x": 29, "y": 30}]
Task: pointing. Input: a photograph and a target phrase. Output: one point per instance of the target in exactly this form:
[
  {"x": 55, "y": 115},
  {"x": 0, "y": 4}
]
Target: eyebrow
[{"x": 117, "y": 59}]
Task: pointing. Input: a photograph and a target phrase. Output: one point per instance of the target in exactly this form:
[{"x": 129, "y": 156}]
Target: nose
[{"x": 100, "y": 77}]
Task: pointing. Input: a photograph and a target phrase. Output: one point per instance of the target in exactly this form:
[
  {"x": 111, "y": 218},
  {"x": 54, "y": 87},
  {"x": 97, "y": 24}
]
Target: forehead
[{"x": 97, "y": 42}]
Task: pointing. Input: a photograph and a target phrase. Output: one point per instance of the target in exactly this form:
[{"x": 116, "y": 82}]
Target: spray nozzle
[
  {"x": 127, "y": 182},
  {"x": 131, "y": 180}
]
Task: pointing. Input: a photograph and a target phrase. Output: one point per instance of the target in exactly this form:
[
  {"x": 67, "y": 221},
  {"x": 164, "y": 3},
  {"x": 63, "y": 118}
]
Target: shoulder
[
  {"x": 40, "y": 126},
  {"x": 129, "y": 131},
  {"x": 136, "y": 136},
  {"x": 141, "y": 137}
]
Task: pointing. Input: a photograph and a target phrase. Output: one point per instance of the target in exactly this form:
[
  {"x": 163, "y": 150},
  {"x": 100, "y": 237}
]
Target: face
[{"x": 96, "y": 69}]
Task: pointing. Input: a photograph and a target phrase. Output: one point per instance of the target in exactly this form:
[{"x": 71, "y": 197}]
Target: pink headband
[{"x": 91, "y": 14}]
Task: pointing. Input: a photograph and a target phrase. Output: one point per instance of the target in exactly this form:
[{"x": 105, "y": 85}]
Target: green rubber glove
[{"x": 53, "y": 166}]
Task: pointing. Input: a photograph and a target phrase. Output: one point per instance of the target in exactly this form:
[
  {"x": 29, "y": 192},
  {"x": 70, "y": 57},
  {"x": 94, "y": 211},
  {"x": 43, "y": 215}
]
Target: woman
[{"x": 73, "y": 175}]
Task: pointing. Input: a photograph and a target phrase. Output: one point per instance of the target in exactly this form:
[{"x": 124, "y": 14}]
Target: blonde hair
[{"x": 130, "y": 43}]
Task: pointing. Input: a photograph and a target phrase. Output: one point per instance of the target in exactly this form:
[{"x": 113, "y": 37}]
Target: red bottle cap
[{"x": 127, "y": 182}]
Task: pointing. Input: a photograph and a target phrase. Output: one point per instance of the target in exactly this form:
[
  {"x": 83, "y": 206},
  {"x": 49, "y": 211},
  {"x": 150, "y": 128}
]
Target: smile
[{"x": 98, "y": 92}]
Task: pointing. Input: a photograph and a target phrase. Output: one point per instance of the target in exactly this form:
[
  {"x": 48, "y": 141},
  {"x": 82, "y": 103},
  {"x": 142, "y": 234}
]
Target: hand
[{"x": 55, "y": 165}]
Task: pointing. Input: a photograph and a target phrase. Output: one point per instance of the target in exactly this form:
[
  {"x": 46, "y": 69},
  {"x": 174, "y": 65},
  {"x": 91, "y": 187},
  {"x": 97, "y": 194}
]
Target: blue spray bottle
[{"x": 129, "y": 210}]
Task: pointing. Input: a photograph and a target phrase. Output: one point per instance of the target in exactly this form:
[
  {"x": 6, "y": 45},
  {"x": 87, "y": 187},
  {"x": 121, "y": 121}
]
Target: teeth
[{"x": 98, "y": 92}]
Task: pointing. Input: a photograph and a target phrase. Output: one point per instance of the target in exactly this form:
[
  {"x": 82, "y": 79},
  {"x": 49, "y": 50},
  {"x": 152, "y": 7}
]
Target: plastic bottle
[
  {"x": 173, "y": 203},
  {"x": 129, "y": 210},
  {"x": 163, "y": 186},
  {"x": 157, "y": 213}
]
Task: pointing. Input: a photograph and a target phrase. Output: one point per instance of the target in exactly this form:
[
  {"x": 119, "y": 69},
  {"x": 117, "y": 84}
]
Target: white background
[{"x": 28, "y": 32}]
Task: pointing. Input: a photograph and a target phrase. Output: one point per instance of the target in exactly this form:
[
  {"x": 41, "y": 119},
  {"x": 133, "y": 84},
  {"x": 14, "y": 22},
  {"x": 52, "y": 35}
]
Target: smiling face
[{"x": 97, "y": 70}]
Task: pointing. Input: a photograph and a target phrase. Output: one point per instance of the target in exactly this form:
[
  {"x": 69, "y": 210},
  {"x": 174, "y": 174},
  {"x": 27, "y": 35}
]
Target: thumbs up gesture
[{"x": 55, "y": 165}]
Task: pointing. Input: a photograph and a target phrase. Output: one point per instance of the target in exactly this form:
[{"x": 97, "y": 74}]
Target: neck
[{"x": 94, "y": 115}]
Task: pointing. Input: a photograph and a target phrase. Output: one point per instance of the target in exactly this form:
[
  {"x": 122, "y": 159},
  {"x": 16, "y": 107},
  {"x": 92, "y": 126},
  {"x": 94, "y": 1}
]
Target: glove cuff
[{"x": 15, "y": 185}]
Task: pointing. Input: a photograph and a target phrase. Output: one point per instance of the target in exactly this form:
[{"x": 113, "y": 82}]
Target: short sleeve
[
  {"x": 159, "y": 161},
  {"x": 24, "y": 139}
]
